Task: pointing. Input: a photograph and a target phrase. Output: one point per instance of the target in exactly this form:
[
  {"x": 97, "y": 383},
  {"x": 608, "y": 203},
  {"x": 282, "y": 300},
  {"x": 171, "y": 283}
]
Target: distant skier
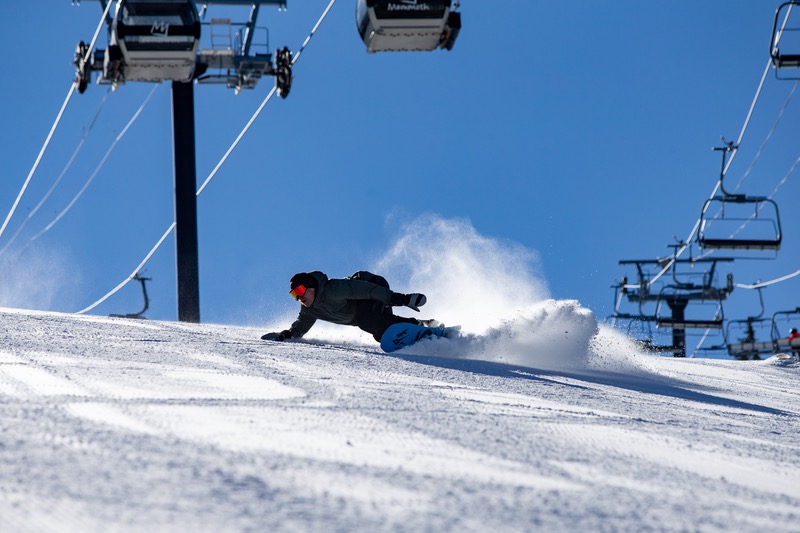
[
  {"x": 363, "y": 300},
  {"x": 793, "y": 335}
]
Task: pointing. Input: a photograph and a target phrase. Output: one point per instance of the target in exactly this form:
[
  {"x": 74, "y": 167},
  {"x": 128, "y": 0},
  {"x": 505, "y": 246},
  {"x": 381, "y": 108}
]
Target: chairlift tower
[
  {"x": 677, "y": 295},
  {"x": 159, "y": 40}
]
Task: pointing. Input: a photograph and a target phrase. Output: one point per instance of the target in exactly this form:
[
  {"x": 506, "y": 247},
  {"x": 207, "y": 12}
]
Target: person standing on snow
[{"x": 363, "y": 300}]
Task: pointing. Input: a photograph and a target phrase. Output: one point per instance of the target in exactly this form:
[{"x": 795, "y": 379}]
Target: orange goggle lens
[{"x": 298, "y": 292}]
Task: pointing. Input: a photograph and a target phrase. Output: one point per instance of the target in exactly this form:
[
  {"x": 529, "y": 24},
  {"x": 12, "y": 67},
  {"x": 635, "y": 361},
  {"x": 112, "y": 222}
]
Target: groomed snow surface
[{"x": 544, "y": 423}]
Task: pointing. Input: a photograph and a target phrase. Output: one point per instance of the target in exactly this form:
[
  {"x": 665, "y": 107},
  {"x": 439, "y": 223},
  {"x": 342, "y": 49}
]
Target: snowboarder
[{"x": 363, "y": 300}]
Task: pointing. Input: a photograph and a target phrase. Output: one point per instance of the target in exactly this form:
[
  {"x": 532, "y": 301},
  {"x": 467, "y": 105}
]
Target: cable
[
  {"x": 263, "y": 103},
  {"x": 768, "y": 137},
  {"x": 785, "y": 178},
  {"x": 99, "y": 166},
  {"x": 214, "y": 171},
  {"x": 313, "y": 31},
  {"x": 133, "y": 274},
  {"x": 688, "y": 240},
  {"x": 53, "y": 128},
  {"x": 38, "y": 158},
  {"x": 768, "y": 283},
  {"x": 60, "y": 176},
  {"x": 236, "y": 141}
]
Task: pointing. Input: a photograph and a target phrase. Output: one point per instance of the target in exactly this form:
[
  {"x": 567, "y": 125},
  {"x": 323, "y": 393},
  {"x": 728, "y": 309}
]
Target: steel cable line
[
  {"x": 781, "y": 183},
  {"x": 685, "y": 244},
  {"x": 770, "y": 282},
  {"x": 264, "y": 103},
  {"x": 768, "y": 137},
  {"x": 771, "y": 195},
  {"x": 753, "y": 163},
  {"x": 53, "y": 127},
  {"x": 763, "y": 144},
  {"x": 61, "y": 175},
  {"x": 99, "y": 166},
  {"x": 214, "y": 171},
  {"x": 787, "y": 276}
]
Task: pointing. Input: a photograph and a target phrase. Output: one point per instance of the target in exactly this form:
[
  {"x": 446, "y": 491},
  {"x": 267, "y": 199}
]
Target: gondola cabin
[
  {"x": 407, "y": 25},
  {"x": 152, "y": 40}
]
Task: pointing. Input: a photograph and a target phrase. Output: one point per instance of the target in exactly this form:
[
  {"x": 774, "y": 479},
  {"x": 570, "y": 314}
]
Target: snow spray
[{"x": 494, "y": 289}]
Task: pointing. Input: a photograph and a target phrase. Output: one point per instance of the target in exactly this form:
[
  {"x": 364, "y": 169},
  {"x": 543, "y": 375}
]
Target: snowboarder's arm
[
  {"x": 355, "y": 289},
  {"x": 352, "y": 289},
  {"x": 303, "y": 323},
  {"x": 298, "y": 328},
  {"x": 413, "y": 300}
]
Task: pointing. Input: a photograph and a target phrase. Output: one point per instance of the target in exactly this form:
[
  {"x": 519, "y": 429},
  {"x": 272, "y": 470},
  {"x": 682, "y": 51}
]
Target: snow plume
[
  {"x": 612, "y": 350},
  {"x": 469, "y": 279},
  {"x": 35, "y": 279},
  {"x": 493, "y": 289}
]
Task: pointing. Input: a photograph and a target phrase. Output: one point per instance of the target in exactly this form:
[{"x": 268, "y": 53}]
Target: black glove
[
  {"x": 282, "y": 336},
  {"x": 413, "y": 300}
]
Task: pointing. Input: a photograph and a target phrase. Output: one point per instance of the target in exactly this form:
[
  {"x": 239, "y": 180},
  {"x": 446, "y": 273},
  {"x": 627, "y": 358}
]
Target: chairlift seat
[
  {"x": 689, "y": 324},
  {"x": 760, "y": 230},
  {"x": 786, "y": 344},
  {"x": 740, "y": 244},
  {"x": 751, "y": 347},
  {"x": 786, "y": 60}
]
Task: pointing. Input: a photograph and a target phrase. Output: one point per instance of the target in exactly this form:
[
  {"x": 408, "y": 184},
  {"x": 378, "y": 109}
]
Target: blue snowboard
[{"x": 401, "y": 335}]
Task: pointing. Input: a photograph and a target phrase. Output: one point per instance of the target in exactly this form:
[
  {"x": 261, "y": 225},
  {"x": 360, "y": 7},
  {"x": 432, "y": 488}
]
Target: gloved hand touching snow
[{"x": 282, "y": 336}]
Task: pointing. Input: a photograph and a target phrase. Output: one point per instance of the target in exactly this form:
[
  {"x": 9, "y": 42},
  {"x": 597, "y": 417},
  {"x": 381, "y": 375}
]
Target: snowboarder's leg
[{"x": 374, "y": 317}]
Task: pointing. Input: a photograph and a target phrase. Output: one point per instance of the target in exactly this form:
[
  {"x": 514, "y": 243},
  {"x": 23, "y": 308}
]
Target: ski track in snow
[{"x": 122, "y": 425}]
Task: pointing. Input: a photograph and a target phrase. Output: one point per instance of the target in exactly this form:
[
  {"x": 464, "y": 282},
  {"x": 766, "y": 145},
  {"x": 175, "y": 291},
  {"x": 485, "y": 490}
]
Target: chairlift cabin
[
  {"x": 152, "y": 40},
  {"x": 407, "y": 25},
  {"x": 784, "y": 47}
]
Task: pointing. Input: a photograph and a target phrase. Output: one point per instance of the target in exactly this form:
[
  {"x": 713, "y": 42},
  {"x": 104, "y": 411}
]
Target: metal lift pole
[
  {"x": 678, "y": 307},
  {"x": 185, "y": 202}
]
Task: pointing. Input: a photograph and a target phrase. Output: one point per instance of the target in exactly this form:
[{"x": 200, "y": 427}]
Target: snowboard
[{"x": 402, "y": 335}]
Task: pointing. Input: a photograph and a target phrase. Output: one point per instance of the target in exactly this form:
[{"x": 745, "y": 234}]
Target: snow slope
[{"x": 124, "y": 425}]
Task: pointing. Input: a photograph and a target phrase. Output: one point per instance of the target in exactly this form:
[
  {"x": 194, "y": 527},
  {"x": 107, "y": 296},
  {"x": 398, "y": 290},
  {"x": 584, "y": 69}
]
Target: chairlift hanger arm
[{"x": 729, "y": 147}]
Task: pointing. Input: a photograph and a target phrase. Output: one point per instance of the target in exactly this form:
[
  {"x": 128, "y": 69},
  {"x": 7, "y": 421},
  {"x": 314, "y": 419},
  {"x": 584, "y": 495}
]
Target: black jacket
[{"x": 335, "y": 301}]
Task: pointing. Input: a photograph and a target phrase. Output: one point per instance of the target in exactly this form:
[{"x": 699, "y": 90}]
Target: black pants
[{"x": 374, "y": 317}]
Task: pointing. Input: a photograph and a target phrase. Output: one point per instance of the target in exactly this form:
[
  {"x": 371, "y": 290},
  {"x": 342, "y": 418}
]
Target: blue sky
[{"x": 581, "y": 133}]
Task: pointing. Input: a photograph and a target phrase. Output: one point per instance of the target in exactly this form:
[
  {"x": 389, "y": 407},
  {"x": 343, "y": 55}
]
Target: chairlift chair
[
  {"x": 784, "y": 46},
  {"x": 746, "y": 339},
  {"x": 739, "y": 222},
  {"x": 782, "y": 321}
]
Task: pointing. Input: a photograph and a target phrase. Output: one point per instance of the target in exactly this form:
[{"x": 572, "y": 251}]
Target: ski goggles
[{"x": 298, "y": 292}]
